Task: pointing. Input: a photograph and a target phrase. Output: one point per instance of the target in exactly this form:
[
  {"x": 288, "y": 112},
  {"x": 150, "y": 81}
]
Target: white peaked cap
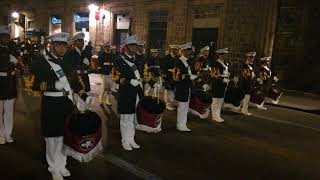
[
  {"x": 265, "y": 58},
  {"x": 4, "y": 30},
  {"x": 61, "y": 37},
  {"x": 222, "y": 51},
  {"x": 206, "y": 48},
  {"x": 251, "y": 54},
  {"x": 78, "y": 36},
  {"x": 186, "y": 46},
  {"x": 154, "y": 50},
  {"x": 106, "y": 44},
  {"x": 130, "y": 40},
  {"x": 174, "y": 46},
  {"x": 141, "y": 43}
]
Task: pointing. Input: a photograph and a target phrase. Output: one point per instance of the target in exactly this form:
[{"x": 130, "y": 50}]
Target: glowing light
[
  {"x": 15, "y": 15},
  {"x": 93, "y": 7}
]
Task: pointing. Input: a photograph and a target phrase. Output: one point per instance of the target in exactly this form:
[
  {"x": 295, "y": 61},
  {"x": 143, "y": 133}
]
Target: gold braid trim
[
  {"x": 83, "y": 86},
  {"x": 176, "y": 74},
  {"x": 29, "y": 83},
  {"x": 215, "y": 72},
  {"x": 146, "y": 75},
  {"x": 246, "y": 73},
  {"x": 115, "y": 74}
]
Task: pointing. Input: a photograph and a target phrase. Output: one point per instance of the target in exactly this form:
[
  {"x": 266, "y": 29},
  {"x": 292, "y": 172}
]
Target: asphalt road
[{"x": 278, "y": 143}]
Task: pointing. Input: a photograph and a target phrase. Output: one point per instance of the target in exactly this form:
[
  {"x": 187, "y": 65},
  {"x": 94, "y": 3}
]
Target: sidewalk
[{"x": 299, "y": 101}]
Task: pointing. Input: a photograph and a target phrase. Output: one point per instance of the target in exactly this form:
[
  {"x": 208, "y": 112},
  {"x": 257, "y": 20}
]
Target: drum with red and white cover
[
  {"x": 149, "y": 114},
  {"x": 199, "y": 104},
  {"x": 83, "y": 134}
]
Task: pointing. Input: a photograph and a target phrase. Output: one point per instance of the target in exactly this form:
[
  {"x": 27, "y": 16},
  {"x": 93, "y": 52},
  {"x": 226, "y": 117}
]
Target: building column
[{"x": 68, "y": 25}]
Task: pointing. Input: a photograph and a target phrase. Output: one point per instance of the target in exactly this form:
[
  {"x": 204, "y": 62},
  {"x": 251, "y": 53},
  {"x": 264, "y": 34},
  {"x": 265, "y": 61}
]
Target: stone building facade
[{"x": 282, "y": 29}]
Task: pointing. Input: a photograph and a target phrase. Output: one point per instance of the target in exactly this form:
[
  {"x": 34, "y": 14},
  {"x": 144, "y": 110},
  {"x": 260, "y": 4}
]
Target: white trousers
[
  {"x": 216, "y": 107},
  {"x": 128, "y": 123},
  {"x": 182, "y": 113},
  {"x": 106, "y": 85},
  {"x": 169, "y": 97},
  {"x": 127, "y": 127},
  {"x": 56, "y": 159},
  {"x": 6, "y": 117},
  {"x": 245, "y": 103}
]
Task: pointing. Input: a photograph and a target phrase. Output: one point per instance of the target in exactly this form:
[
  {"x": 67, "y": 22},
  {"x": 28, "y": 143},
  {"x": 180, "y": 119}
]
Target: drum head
[
  {"x": 84, "y": 124},
  {"x": 152, "y": 105}
]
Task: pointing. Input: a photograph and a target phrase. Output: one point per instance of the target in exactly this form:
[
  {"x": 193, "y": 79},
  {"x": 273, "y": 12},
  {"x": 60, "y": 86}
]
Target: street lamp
[
  {"x": 93, "y": 7},
  {"x": 15, "y": 15}
]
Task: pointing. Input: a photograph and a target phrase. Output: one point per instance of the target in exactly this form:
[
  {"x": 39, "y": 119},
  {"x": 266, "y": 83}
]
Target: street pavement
[{"x": 278, "y": 143}]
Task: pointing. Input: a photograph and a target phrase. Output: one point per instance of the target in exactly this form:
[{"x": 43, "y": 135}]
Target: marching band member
[
  {"x": 130, "y": 91},
  {"x": 220, "y": 79},
  {"x": 166, "y": 66},
  {"x": 8, "y": 90},
  {"x": 105, "y": 60},
  {"x": 183, "y": 77},
  {"x": 153, "y": 68},
  {"x": 51, "y": 75},
  {"x": 80, "y": 62},
  {"x": 247, "y": 80},
  {"x": 201, "y": 67},
  {"x": 264, "y": 78}
]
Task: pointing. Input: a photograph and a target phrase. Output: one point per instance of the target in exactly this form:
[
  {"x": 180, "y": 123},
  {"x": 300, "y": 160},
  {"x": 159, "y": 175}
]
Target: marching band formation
[{"x": 60, "y": 72}]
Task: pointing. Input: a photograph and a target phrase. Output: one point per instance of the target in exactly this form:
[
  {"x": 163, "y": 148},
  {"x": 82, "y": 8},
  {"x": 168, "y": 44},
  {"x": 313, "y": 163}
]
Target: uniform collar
[
  {"x": 130, "y": 57},
  {"x": 222, "y": 63},
  {"x": 182, "y": 58},
  {"x": 78, "y": 51},
  {"x": 172, "y": 55},
  {"x": 266, "y": 68}
]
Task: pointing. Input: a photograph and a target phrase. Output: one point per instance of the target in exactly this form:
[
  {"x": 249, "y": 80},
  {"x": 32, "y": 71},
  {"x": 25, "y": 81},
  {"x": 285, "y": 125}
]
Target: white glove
[
  {"x": 59, "y": 85},
  {"x": 225, "y": 74},
  {"x": 205, "y": 87},
  {"x": 86, "y": 61},
  {"x": 226, "y": 80},
  {"x": 253, "y": 75},
  {"x": 235, "y": 79},
  {"x": 89, "y": 99},
  {"x": 260, "y": 81},
  {"x": 134, "y": 82},
  {"x": 275, "y": 79},
  {"x": 13, "y": 59},
  {"x": 193, "y": 77},
  {"x": 81, "y": 104}
]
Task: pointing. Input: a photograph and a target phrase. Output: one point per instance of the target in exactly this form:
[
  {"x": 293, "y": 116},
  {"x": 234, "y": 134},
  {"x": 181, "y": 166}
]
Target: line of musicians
[{"x": 60, "y": 75}]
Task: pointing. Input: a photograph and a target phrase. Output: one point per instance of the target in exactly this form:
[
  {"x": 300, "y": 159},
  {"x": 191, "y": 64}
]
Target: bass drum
[
  {"x": 149, "y": 114},
  {"x": 199, "y": 104},
  {"x": 83, "y": 136},
  {"x": 234, "y": 96},
  {"x": 257, "y": 95},
  {"x": 275, "y": 92}
]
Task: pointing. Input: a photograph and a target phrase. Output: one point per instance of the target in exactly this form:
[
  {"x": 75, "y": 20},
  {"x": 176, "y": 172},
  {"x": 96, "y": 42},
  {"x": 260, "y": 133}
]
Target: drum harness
[{"x": 63, "y": 79}]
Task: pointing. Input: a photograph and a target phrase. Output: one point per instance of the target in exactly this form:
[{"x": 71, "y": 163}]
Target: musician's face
[
  {"x": 206, "y": 54},
  {"x": 221, "y": 56},
  {"x": 187, "y": 52},
  {"x": 250, "y": 59},
  {"x": 59, "y": 48},
  {"x": 107, "y": 48},
  {"x": 154, "y": 54},
  {"x": 79, "y": 43},
  {"x": 131, "y": 49}
]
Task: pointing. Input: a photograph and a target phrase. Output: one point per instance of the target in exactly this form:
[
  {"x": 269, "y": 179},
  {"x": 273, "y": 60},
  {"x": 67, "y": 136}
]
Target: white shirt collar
[
  {"x": 78, "y": 50},
  {"x": 129, "y": 55},
  {"x": 54, "y": 56},
  {"x": 182, "y": 58},
  {"x": 266, "y": 67}
]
